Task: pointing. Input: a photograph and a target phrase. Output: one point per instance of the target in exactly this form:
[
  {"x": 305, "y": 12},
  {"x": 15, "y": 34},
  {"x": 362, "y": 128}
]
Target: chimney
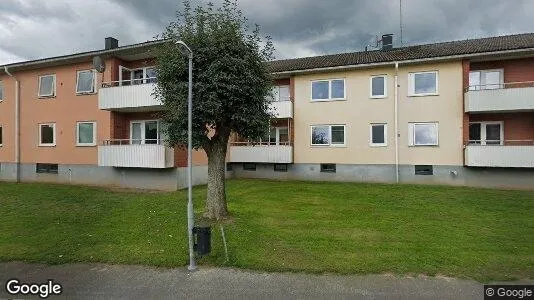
[
  {"x": 111, "y": 43},
  {"x": 387, "y": 42}
]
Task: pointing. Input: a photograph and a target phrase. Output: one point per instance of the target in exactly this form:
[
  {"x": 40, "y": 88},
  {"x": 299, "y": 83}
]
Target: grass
[{"x": 347, "y": 228}]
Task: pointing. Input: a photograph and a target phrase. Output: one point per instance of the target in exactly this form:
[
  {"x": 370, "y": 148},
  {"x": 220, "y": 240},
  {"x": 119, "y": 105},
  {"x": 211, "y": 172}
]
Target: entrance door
[{"x": 486, "y": 133}]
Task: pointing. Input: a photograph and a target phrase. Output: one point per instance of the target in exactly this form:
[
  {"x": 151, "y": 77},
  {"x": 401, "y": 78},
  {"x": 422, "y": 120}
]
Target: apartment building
[
  {"x": 62, "y": 121},
  {"x": 459, "y": 113}
]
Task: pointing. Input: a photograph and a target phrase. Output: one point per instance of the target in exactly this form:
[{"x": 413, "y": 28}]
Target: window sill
[
  {"x": 47, "y": 145},
  {"x": 423, "y": 95},
  {"x": 328, "y": 100},
  {"x": 378, "y": 97},
  {"x": 328, "y": 146},
  {"x": 85, "y": 94},
  {"x": 46, "y": 97},
  {"x": 423, "y": 146},
  {"x": 85, "y": 145},
  {"x": 378, "y": 145}
]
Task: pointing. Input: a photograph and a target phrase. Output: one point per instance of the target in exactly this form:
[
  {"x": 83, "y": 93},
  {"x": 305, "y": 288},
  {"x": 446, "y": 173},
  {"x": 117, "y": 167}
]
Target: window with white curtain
[
  {"x": 485, "y": 80},
  {"x": 86, "y": 134}
]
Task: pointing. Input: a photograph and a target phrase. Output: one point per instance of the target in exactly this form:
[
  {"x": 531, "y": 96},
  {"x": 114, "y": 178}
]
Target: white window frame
[
  {"x": 277, "y": 132},
  {"x": 143, "y": 135},
  {"x": 92, "y": 144},
  {"x": 482, "y": 84},
  {"x": 1, "y": 136},
  {"x": 53, "y": 144},
  {"x": 411, "y": 84},
  {"x": 2, "y": 91},
  {"x": 483, "y": 132},
  {"x": 53, "y": 94},
  {"x": 330, "y": 144},
  {"x": 94, "y": 82},
  {"x": 145, "y": 78},
  {"x": 385, "y": 143},
  {"x": 411, "y": 134},
  {"x": 329, "y": 90},
  {"x": 385, "y": 93}
]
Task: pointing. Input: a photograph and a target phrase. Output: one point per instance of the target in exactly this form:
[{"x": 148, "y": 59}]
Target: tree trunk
[{"x": 216, "y": 200}]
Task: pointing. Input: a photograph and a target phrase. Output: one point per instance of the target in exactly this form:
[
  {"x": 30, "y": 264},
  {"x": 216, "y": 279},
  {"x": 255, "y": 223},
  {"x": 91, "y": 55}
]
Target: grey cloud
[{"x": 298, "y": 27}]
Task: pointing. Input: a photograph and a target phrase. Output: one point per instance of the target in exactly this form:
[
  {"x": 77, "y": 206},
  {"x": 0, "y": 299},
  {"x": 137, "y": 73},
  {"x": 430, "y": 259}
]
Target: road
[{"x": 99, "y": 281}]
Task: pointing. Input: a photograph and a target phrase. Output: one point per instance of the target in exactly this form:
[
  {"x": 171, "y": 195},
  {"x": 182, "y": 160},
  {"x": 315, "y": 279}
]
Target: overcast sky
[{"x": 31, "y": 29}]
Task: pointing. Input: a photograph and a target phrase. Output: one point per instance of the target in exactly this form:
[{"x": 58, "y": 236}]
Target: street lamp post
[{"x": 190, "y": 214}]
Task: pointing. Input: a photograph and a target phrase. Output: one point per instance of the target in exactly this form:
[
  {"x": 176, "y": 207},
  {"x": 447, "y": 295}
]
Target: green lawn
[{"x": 482, "y": 234}]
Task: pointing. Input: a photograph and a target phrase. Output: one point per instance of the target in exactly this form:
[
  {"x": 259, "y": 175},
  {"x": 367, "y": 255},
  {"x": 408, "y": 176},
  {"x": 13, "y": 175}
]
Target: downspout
[
  {"x": 17, "y": 123},
  {"x": 396, "y": 123}
]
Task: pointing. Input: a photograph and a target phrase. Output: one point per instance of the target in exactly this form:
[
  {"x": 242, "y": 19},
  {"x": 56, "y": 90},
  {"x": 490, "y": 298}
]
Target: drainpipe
[
  {"x": 17, "y": 123},
  {"x": 396, "y": 123}
]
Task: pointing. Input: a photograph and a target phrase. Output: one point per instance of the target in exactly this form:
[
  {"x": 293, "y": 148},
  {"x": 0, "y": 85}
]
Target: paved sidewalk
[{"x": 99, "y": 281}]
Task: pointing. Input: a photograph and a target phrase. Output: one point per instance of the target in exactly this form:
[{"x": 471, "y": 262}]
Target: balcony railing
[
  {"x": 261, "y": 152},
  {"x": 282, "y": 109},
  {"x": 129, "y": 95},
  {"x": 128, "y": 153},
  {"x": 505, "y": 154},
  {"x": 503, "y": 97}
]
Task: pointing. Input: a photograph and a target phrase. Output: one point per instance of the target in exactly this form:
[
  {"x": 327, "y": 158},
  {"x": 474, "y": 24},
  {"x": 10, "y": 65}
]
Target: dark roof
[{"x": 426, "y": 51}]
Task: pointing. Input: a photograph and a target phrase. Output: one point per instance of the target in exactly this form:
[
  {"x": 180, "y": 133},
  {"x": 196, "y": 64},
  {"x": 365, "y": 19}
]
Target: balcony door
[
  {"x": 279, "y": 136},
  {"x": 486, "y": 133},
  {"x": 136, "y": 76},
  {"x": 145, "y": 132},
  {"x": 486, "y": 80}
]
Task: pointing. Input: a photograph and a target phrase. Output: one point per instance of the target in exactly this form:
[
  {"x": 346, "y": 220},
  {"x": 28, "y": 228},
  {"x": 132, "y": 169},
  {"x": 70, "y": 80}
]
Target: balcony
[
  {"x": 507, "y": 97},
  {"x": 281, "y": 109},
  {"x": 261, "y": 153},
  {"x": 124, "y": 153},
  {"x": 513, "y": 154},
  {"x": 123, "y": 96}
]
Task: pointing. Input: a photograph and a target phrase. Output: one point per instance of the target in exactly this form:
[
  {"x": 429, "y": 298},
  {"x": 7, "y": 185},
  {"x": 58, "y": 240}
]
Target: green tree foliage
[{"x": 231, "y": 84}]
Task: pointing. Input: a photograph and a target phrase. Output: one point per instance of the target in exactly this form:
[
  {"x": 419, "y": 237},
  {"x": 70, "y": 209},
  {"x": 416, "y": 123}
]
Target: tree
[{"x": 231, "y": 84}]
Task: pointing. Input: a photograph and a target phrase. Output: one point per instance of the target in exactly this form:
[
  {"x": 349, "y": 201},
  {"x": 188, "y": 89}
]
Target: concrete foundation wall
[
  {"x": 141, "y": 178},
  {"x": 448, "y": 175}
]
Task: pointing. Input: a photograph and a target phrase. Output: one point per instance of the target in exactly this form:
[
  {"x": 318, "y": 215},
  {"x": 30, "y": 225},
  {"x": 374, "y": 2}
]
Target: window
[
  {"x": 328, "y": 135},
  {"x": 328, "y": 168},
  {"x": 278, "y": 136},
  {"x": 327, "y": 90},
  {"x": 280, "y": 167},
  {"x": 378, "y": 86},
  {"x": 85, "y": 82},
  {"x": 485, "y": 80},
  {"x": 229, "y": 167},
  {"x": 424, "y": 170},
  {"x": 423, "y": 83},
  {"x": 249, "y": 167},
  {"x": 280, "y": 93},
  {"x": 1, "y": 140},
  {"x": 47, "y": 86},
  {"x": 379, "y": 135},
  {"x": 486, "y": 133},
  {"x": 423, "y": 134},
  {"x": 86, "y": 134},
  {"x": 47, "y": 134},
  {"x": 137, "y": 76},
  {"x": 146, "y": 132},
  {"x": 46, "y": 168},
  {"x": 1, "y": 90}
]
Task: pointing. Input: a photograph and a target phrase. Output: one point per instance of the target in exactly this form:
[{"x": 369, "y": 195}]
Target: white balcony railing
[
  {"x": 261, "y": 153},
  {"x": 512, "y": 154},
  {"x": 135, "y": 154},
  {"x": 125, "y": 96},
  {"x": 281, "y": 109},
  {"x": 506, "y": 97}
]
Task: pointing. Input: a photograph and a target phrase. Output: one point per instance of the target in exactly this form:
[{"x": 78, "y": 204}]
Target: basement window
[
  {"x": 328, "y": 168},
  {"x": 46, "y": 168},
  {"x": 249, "y": 167},
  {"x": 424, "y": 170},
  {"x": 229, "y": 167},
  {"x": 280, "y": 167}
]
